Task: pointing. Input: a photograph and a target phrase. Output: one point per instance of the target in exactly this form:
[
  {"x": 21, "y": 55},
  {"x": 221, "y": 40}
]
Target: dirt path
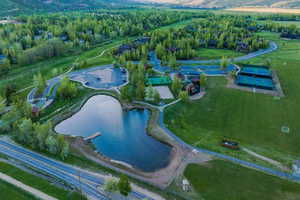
[
  {"x": 269, "y": 160},
  {"x": 33, "y": 191}
]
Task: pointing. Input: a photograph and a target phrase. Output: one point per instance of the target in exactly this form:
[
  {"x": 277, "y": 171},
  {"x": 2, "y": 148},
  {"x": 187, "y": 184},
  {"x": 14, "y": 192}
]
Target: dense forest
[
  {"x": 234, "y": 33},
  {"x": 38, "y": 37}
]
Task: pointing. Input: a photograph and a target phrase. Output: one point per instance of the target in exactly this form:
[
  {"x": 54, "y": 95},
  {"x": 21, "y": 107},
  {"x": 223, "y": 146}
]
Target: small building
[
  {"x": 186, "y": 185},
  {"x": 296, "y": 167}
]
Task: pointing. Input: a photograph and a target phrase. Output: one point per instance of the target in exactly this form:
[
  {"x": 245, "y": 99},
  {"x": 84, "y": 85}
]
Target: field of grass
[
  {"x": 206, "y": 53},
  {"x": 12, "y": 192},
  {"x": 253, "y": 119},
  {"x": 265, "y": 10},
  {"x": 37, "y": 182},
  {"x": 224, "y": 180}
]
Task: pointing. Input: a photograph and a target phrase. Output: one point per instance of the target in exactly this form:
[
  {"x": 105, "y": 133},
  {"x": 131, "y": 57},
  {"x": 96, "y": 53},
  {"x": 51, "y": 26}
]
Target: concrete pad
[
  {"x": 104, "y": 74},
  {"x": 164, "y": 92}
]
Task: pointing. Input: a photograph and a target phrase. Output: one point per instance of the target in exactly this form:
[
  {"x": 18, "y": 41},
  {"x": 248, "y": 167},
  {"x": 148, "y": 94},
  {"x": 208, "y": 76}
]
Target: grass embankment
[
  {"x": 9, "y": 191},
  {"x": 253, "y": 119},
  {"x": 224, "y": 180},
  {"x": 36, "y": 182}
]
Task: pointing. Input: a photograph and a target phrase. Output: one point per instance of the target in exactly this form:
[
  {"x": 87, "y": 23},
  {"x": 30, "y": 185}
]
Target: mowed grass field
[
  {"x": 224, "y": 180},
  {"x": 254, "y": 120},
  {"x": 8, "y": 191},
  {"x": 35, "y": 182},
  {"x": 206, "y": 53}
]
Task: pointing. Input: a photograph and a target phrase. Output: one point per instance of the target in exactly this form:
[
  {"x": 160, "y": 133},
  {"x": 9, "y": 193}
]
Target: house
[{"x": 296, "y": 167}]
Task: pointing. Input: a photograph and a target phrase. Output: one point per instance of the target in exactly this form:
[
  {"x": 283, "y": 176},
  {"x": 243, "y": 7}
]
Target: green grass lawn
[
  {"x": 8, "y": 191},
  {"x": 224, "y": 180},
  {"x": 255, "y": 120},
  {"x": 206, "y": 53},
  {"x": 36, "y": 182}
]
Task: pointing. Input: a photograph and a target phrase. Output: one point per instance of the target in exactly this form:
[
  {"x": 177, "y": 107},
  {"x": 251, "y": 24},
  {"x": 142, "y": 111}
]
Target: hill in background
[
  {"x": 229, "y": 3},
  {"x": 11, "y": 7}
]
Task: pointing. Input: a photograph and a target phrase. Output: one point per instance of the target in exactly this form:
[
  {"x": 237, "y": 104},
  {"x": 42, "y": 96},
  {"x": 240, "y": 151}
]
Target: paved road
[{"x": 69, "y": 174}]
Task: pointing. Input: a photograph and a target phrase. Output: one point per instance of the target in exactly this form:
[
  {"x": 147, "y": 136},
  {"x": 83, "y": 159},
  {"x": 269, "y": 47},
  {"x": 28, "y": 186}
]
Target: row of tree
[{"x": 135, "y": 90}]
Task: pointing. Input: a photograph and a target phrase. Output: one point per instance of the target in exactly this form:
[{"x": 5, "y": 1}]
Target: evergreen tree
[
  {"x": 224, "y": 63},
  {"x": 124, "y": 185},
  {"x": 176, "y": 86}
]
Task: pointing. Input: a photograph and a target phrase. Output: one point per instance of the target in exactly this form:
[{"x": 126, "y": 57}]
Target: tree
[
  {"x": 2, "y": 105},
  {"x": 111, "y": 185},
  {"x": 184, "y": 96},
  {"x": 224, "y": 63},
  {"x": 10, "y": 89},
  {"x": 67, "y": 89},
  {"x": 52, "y": 144},
  {"x": 149, "y": 93},
  {"x": 173, "y": 62},
  {"x": 126, "y": 93},
  {"x": 64, "y": 152},
  {"x": 203, "y": 80},
  {"x": 42, "y": 132},
  {"x": 156, "y": 97},
  {"x": 176, "y": 86},
  {"x": 25, "y": 131},
  {"x": 4, "y": 67},
  {"x": 40, "y": 83},
  {"x": 9, "y": 118},
  {"x": 140, "y": 91},
  {"x": 124, "y": 185}
]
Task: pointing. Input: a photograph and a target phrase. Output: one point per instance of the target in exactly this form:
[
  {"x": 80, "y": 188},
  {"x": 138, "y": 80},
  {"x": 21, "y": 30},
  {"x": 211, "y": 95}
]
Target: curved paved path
[{"x": 273, "y": 46}]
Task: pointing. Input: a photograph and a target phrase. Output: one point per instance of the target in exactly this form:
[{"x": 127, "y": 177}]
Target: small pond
[{"x": 123, "y": 134}]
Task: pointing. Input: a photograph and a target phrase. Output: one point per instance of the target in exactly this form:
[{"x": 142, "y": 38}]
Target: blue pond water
[{"x": 124, "y": 137}]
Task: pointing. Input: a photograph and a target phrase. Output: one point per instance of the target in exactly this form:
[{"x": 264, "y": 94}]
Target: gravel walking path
[{"x": 31, "y": 190}]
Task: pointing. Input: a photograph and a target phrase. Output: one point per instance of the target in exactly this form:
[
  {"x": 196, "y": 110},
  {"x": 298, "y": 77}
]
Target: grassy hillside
[
  {"x": 12, "y": 7},
  {"x": 229, "y": 3}
]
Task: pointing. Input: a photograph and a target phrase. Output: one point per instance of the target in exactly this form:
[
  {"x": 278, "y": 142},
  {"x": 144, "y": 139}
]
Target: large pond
[{"x": 123, "y": 134}]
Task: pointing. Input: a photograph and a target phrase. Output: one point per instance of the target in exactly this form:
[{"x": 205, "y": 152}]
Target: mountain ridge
[
  {"x": 228, "y": 3},
  {"x": 11, "y": 7}
]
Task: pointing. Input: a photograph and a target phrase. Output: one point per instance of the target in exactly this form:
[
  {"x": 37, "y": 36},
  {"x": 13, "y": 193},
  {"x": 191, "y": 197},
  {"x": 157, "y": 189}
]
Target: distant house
[{"x": 296, "y": 167}]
